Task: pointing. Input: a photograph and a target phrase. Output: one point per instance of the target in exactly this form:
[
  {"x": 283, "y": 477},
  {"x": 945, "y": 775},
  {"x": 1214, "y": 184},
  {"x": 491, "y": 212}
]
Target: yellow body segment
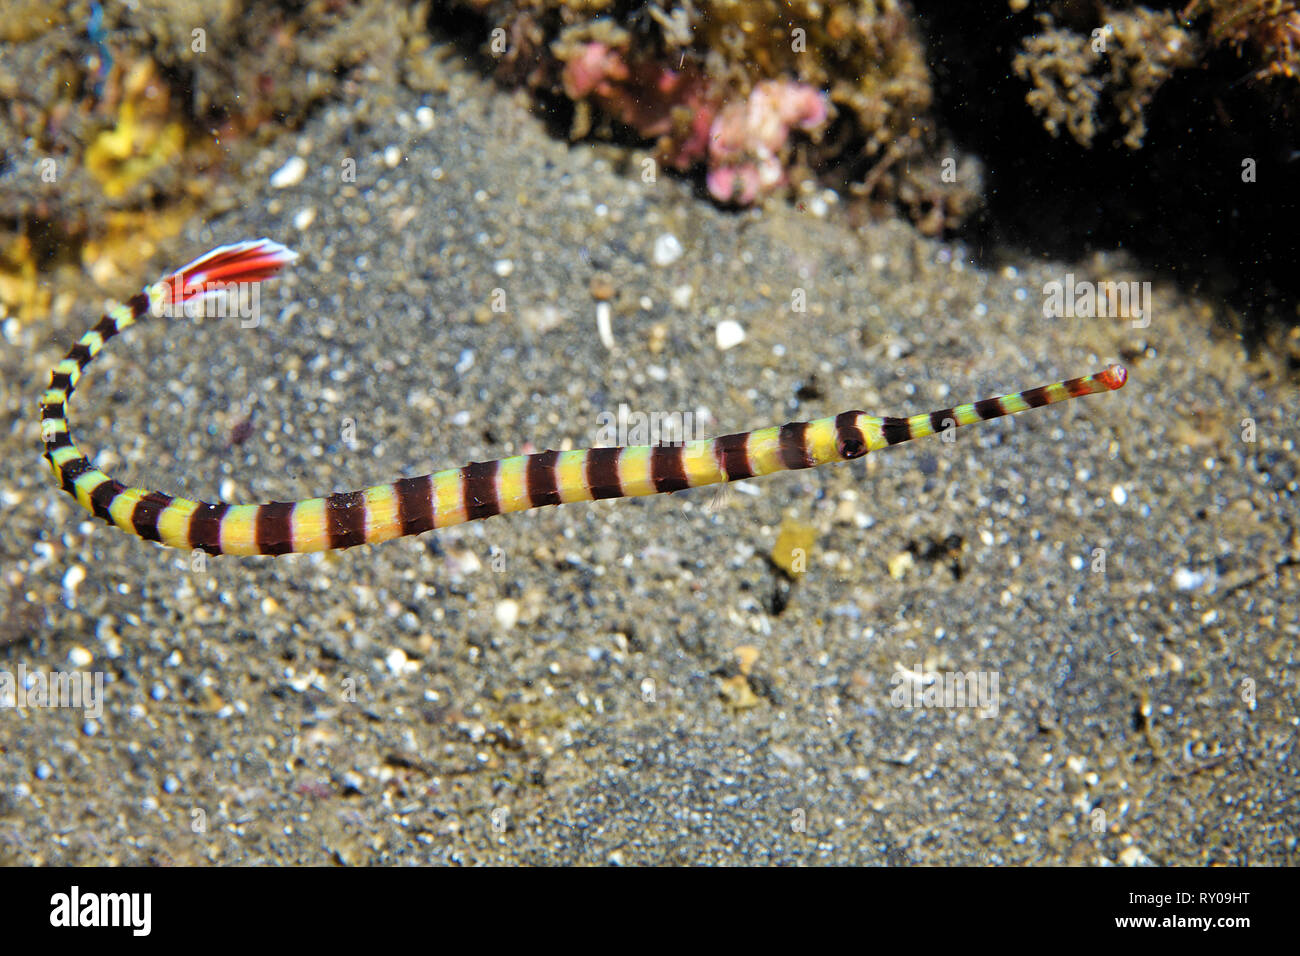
[
  {"x": 571, "y": 476},
  {"x": 381, "y": 514},
  {"x": 701, "y": 464},
  {"x": 512, "y": 484},
  {"x": 765, "y": 451},
  {"x": 308, "y": 523},
  {"x": 87, "y": 483},
  {"x": 821, "y": 441},
  {"x": 124, "y": 505},
  {"x": 449, "y": 506},
  {"x": 634, "y": 471},
  {"x": 174, "y": 522},
  {"x": 239, "y": 530}
]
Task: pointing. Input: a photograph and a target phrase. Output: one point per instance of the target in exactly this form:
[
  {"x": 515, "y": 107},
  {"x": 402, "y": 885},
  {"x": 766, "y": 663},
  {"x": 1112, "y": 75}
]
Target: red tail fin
[{"x": 249, "y": 261}]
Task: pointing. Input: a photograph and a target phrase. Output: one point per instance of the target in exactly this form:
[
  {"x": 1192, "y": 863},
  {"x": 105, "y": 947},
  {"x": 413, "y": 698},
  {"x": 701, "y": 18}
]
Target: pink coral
[
  {"x": 595, "y": 69},
  {"x": 743, "y": 143},
  {"x": 748, "y": 138},
  {"x": 640, "y": 93}
]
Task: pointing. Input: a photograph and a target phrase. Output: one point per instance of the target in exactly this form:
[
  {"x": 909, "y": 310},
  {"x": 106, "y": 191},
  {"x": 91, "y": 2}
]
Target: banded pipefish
[{"x": 480, "y": 489}]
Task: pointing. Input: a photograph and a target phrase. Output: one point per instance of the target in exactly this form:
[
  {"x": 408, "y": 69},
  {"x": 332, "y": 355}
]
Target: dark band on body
[
  {"x": 479, "y": 484},
  {"x": 273, "y": 531},
  {"x": 345, "y": 519},
  {"x": 414, "y": 504},
  {"x": 205, "y": 526},
  {"x": 895, "y": 430},
  {"x": 144, "y": 517},
  {"x": 542, "y": 480},
  {"x": 668, "y": 468},
  {"x": 792, "y": 439},
  {"x": 602, "y": 472},
  {"x": 732, "y": 452}
]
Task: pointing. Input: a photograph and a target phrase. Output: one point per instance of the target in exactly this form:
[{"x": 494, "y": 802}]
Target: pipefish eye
[{"x": 850, "y": 448}]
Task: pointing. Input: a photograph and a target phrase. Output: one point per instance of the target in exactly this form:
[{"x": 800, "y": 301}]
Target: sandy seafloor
[{"x": 501, "y": 712}]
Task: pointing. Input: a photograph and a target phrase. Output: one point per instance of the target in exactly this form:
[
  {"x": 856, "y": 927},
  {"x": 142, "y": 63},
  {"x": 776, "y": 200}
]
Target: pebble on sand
[
  {"x": 507, "y": 613},
  {"x": 730, "y": 333},
  {"x": 290, "y": 174},
  {"x": 72, "y": 579},
  {"x": 668, "y": 249},
  {"x": 604, "y": 328}
]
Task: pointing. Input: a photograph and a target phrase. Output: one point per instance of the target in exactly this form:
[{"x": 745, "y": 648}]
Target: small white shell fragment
[
  {"x": 399, "y": 663},
  {"x": 730, "y": 333},
  {"x": 507, "y": 613},
  {"x": 1133, "y": 856},
  {"x": 290, "y": 174},
  {"x": 604, "y": 328},
  {"x": 303, "y": 218},
  {"x": 668, "y": 249},
  {"x": 392, "y": 157},
  {"x": 424, "y": 116},
  {"x": 460, "y": 563},
  {"x": 72, "y": 579},
  {"x": 80, "y": 657},
  {"x": 1118, "y": 495},
  {"x": 544, "y": 318}
]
